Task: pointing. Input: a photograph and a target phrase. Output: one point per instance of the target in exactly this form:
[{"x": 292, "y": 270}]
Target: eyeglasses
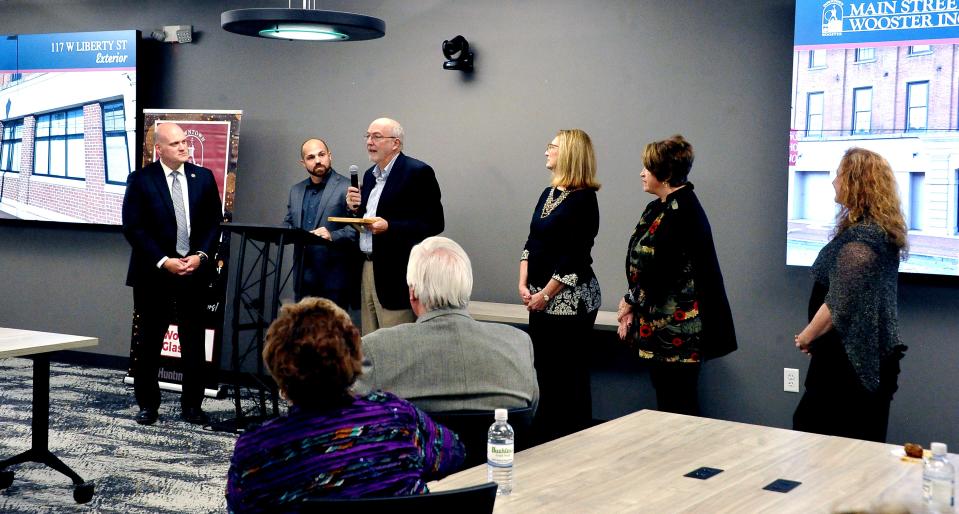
[
  {"x": 551, "y": 146},
  {"x": 377, "y": 137}
]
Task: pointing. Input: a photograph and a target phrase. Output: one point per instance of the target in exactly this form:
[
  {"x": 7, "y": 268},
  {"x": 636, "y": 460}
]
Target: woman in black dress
[
  {"x": 675, "y": 313},
  {"x": 853, "y": 330},
  {"x": 558, "y": 286}
]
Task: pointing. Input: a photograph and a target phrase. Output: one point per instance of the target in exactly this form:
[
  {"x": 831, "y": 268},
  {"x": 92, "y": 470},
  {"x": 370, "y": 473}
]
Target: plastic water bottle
[
  {"x": 938, "y": 481},
  {"x": 499, "y": 454}
]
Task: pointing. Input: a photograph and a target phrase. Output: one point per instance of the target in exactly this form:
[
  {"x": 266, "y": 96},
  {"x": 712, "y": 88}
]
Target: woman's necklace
[{"x": 552, "y": 203}]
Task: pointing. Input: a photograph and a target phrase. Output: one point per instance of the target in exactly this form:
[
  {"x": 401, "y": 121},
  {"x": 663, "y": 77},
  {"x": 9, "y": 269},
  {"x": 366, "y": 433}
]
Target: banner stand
[{"x": 218, "y": 393}]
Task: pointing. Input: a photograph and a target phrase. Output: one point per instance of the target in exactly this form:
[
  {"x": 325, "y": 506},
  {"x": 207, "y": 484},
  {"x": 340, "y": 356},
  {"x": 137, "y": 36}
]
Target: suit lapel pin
[{"x": 192, "y": 175}]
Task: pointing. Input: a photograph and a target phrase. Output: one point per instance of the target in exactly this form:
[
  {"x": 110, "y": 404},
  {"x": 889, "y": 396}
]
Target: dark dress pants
[
  {"x": 562, "y": 348},
  {"x": 325, "y": 283},
  {"x": 677, "y": 386},
  {"x": 177, "y": 300},
  {"x": 338, "y": 296},
  {"x": 836, "y": 403}
]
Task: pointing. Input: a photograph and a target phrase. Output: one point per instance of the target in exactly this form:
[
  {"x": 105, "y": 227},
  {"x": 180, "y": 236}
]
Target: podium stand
[{"x": 256, "y": 293}]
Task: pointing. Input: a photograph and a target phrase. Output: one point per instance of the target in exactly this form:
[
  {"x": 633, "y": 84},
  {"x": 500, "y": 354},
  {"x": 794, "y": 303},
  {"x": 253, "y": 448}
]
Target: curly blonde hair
[
  {"x": 313, "y": 352},
  {"x": 867, "y": 191}
]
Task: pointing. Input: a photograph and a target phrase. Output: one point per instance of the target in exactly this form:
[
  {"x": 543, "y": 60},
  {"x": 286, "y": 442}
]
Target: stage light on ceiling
[{"x": 307, "y": 24}]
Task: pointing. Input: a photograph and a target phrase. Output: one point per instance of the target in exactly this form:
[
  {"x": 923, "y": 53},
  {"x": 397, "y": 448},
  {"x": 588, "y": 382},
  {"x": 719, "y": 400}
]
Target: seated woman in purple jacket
[{"x": 332, "y": 443}]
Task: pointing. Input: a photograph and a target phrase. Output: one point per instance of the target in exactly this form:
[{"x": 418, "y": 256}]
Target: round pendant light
[{"x": 302, "y": 24}]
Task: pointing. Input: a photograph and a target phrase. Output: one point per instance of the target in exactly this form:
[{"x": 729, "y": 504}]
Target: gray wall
[{"x": 627, "y": 72}]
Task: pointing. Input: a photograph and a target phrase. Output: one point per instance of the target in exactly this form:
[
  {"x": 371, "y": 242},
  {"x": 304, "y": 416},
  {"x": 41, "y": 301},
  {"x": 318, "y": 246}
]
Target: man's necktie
[{"x": 182, "y": 237}]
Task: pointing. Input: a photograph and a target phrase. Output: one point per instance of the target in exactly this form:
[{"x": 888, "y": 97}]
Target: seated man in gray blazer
[{"x": 448, "y": 361}]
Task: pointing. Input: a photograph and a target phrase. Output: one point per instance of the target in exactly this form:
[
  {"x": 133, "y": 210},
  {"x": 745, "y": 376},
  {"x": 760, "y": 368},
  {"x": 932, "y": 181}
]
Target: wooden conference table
[
  {"x": 37, "y": 346},
  {"x": 636, "y": 464}
]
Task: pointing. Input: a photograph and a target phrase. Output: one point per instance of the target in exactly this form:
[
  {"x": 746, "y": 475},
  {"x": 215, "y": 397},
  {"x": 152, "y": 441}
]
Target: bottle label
[
  {"x": 499, "y": 455},
  {"x": 937, "y": 492},
  {"x": 942, "y": 493}
]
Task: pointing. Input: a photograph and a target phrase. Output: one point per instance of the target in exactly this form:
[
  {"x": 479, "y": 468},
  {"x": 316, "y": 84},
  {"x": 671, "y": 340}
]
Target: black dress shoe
[
  {"x": 195, "y": 415},
  {"x": 146, "y": 416}
]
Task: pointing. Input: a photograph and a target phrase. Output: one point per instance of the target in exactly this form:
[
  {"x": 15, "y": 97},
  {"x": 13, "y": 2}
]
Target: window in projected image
[
  {"x": 67, "y": 125},
  {"x": 882, "y": 76}
]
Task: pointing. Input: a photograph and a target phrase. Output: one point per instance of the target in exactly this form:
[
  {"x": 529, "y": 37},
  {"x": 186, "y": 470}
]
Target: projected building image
[
  {"x": 891, "y": 90},
  {"x": 67, "y": 125}
]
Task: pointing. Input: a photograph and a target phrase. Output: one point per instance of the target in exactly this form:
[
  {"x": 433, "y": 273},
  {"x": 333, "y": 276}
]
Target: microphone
[{"x": 354, "y": 178}]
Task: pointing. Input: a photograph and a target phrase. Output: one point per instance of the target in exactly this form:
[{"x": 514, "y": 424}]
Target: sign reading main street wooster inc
[{"x": 837, "y": 22}]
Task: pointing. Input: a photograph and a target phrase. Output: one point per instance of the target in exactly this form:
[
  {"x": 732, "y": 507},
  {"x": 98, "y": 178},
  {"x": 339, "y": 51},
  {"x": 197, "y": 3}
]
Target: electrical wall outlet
[{"x": 791, "y": 380}]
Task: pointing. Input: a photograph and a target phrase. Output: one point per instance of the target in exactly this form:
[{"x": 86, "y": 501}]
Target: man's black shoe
[
  {"x": 146, "y": 417},
  {"x": 195, "y": 416}
]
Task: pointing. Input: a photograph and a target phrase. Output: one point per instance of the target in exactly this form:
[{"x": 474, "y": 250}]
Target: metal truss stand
[{"x": 255, "y": 303}]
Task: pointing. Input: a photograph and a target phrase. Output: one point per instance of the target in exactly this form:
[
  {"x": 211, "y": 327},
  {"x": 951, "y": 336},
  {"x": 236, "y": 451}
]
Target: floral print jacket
[{"x": 671, "y": 269}]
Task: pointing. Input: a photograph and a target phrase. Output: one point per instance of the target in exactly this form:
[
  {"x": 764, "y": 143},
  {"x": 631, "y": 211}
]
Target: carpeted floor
[{"x": 170, "y": 467}]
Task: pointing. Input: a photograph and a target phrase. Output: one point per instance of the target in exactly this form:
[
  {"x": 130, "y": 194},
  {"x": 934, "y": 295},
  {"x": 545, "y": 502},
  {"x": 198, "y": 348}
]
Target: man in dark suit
[
  {"x": 171, "y": 217},
  {"x": 327, "y": 268},
  {"x": 400, "y": 194}
]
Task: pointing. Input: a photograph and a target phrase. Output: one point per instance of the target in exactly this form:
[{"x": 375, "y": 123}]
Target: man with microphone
[
  {"x": 328, "y": 269},
  {"x": 400, "y": 194}
]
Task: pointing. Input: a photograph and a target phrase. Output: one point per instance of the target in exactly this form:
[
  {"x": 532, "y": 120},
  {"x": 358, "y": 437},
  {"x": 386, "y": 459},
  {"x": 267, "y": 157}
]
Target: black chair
[
  {"x": 478, "y": 499},
  {"x": 473, "y": 426}
]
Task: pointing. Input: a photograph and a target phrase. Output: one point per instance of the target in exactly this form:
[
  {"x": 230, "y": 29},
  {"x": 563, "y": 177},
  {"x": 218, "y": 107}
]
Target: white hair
[
  {"x": 398, "y": 131},
  {"x": 440, "y": 274}
]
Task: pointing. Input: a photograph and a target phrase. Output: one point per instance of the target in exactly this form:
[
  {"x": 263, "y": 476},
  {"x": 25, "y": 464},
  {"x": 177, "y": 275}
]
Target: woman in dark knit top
[
  {"x": 853, "y": 333},
  {"x": 332, "y": 443},
  {"x": 558, "y": 286}
]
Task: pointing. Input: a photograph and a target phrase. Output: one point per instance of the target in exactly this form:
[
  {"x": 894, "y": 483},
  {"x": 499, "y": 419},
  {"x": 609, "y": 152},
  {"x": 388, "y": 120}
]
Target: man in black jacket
[
  {"x": 171, "y": 218},
  {"x": 400, "y": 194}
]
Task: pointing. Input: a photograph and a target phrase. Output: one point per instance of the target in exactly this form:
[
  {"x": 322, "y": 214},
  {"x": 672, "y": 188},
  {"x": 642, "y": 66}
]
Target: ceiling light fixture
[{"x": 306, "y": 24}]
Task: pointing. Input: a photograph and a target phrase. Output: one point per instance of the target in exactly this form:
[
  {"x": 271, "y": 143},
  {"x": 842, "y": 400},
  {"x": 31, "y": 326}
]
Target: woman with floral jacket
[{"x": 675, "y": 312}]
